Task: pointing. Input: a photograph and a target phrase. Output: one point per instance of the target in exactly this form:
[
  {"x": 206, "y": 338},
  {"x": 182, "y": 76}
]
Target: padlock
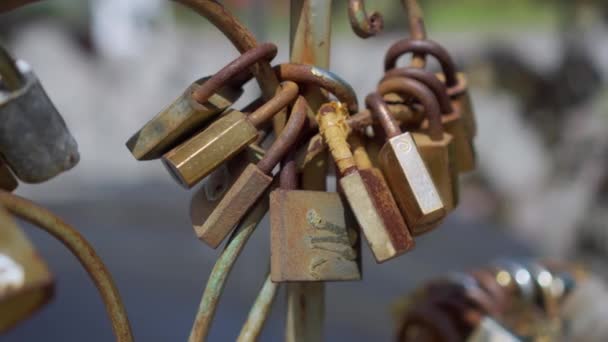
[
  {"x": 34, "y": 139},
  {"x": 7, "y": 180},
  {"x": 437, "y": 147},
  {"x": 250, "y": 185},
  {"x": 25, "y": 281},
  {"x": 203, "y": 100},
  {"x": 223, "y": 139},
  {"x": 456, "y": 81},
  {"x": 404, "y": 167},
  {"x": 392, "y": 237},
  {"x": 311, "y": 232}
]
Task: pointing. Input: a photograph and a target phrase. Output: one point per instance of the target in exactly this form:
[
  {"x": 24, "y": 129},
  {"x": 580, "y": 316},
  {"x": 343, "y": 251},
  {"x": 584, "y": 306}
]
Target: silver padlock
[{"x": 34, "y": 139}]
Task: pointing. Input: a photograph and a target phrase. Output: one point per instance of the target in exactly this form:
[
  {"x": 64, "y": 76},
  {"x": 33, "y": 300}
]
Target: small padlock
[
  {"x": 404, "y": 168},
  {"x": 437, "y": 147},
  {"x": 394, "y": 238},
  {"x": 202, "y": 101},
  {"x": 384, "y": 229},
  {"x": 7, "y": 180},
  {"x": 25, "y": 282},
  {"x": 311, "y": 234},
  {"x": 224, "y": 138},
  {"x": 250, "y": 185},
  {"x": 34, "y": 139}
]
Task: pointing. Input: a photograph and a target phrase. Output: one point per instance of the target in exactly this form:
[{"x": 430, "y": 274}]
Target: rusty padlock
[
  {"x": 384, "y": 229},
  {"x": 437, "y": 147},
  {"x": 460, "y": 122},
  {"x": 34, "y": 139},
  {"x": 223, "y": 139},
  {"x": 250, "y": 185},
  {"x": 25, "y": 281},
  {"x": 311, "y": 232},
  {"x": 394, "y": 238},
  {"x": 404, "y": 168},
  {"x": 201, "y": 101}
]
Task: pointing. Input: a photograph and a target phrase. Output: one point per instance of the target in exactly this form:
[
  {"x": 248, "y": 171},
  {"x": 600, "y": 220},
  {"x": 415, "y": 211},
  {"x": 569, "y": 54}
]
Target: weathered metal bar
[
  {"x": 416, "y": 27},
  {"x": 364, "y": 25},
  {"x": 82, "y": 250},
  {"x": 221, "y": 270},
  {"x": 259, "y": 312}
]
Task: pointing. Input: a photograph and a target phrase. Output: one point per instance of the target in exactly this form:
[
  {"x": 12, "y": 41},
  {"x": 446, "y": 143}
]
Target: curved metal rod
[
  {"x": 259, "y": 312},
  {"x": 417, "y": 29},
  {"x": 427, "y": 78},
  {"x": 364, "y": 25},
  {"x": 222, "y": 268},
  {"x": 82, "y": 250}
]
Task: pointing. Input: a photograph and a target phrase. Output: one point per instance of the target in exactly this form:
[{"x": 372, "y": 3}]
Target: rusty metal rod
[
  {"x": 286, "y": 94},
  {"x": 221, "y": 270},
  {"x": 82, "y": 250},
  {"x": 259, "y": 312},
  {"x": 364, "y": 25},
  {"x": 417, "y": 29}
]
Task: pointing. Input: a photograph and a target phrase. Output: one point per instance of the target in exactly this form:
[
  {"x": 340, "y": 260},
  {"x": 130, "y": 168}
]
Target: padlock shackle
[
  {"x": 310, "y": 74},
  {"x": 10, "y": 75},
  {"x": 408, "y": 87},
  {"x": 379, "y": 110},
  {"x": 334, "y": 129},
  {"x": 427, "y": 78},
  {"x": 423, "y": 47},
  {"x": 360, "y": 154},
  {"x": 364, "y": 25},
  {"x": 289, "y": 172},
  {"x": 287, "y": 139},
  {"x": 286, "y": 94},
  {"x": 263, "y": 52}
]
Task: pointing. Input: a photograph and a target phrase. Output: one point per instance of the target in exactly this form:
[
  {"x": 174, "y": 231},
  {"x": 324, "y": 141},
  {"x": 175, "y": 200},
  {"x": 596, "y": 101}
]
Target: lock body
[
  {"x": 34, "y": 139},
  {"x": 7, "y": 180},
  {"x": 180, "y": 119},
  {"x": 461, "y": 102},
  {"x": 223, "y": 139},
  {"x": 377, "y": 213},
  {"x": 312, "y": 238},
  {"x": 25, "y": 282},
  {"x": 411, "y": 184},
  {"x": 439, "y": 158},
  {"x": 465, "y": 152},
  {"x": 241, "y": 196}
]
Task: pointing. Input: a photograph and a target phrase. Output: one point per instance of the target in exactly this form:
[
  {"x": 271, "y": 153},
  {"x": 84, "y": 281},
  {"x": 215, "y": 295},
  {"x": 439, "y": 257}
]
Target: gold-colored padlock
[
  {"x": 8, "y": 182},
  {"x": 250, "y": 185},
  {"x": 437, "y": 147},
  {"x": 223, "y": 139},
  {"x": 404, "y": 168},
  {"x": 311, "y": 234},
  {"x": 25, "y": 282},
  {"x": 203, "y": 100},
  {"x": 383, "y": 228}
]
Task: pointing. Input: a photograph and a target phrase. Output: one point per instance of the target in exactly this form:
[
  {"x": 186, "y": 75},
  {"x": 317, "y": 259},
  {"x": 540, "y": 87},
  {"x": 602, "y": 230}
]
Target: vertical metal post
[{"x": 310, "y": 41}]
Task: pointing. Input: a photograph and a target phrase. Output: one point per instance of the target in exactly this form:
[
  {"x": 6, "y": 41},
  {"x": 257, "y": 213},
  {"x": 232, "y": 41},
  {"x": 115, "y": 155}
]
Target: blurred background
[{"x": 536, "y": 70}]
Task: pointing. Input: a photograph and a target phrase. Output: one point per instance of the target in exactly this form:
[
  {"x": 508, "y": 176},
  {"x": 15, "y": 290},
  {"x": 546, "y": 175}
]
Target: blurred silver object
[
  {"x": 491, "y": 331},
  {"x": 520, "y": 276}
]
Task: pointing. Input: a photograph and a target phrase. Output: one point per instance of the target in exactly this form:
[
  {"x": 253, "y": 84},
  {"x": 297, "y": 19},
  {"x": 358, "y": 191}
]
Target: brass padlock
[
  {"x": 34, "y": 139},
  {"x": 250, "y": 185},
  {"x": 384, "y": 230},
  {"x": 201, "y": 101},
  {"x": 223, "y": 139},
  {"x": 25, "y": 282},
  {"x": 456, "y": 81},
  {"x": 437, "y": 147},
  {"x": 311, "y": 234},
  {"x": 404, "y": 168},
  {"x": 7, "y": 180},
  {"x": 395, "y": 238}
]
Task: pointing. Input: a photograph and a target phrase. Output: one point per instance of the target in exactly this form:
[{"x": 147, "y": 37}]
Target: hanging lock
[
  {"x": 437, "y": 148},
  {"x": 250, "y": 185},
  {"x": 25, "y": 282},
  {"x": 203, "y": 100},
  {"x": 311, "y": 232},
  {"x": 460, "y": 123},
  {"x": 223, "y": 139},
  {"x": 408, "y": 177},
  {"x": 34, "y": 139},
  {"x": 383, "y": 226}
]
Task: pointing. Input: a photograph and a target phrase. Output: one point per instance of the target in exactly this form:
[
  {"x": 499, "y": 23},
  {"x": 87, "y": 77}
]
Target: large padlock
[
  {"x": 250, "y": 185},
  {"x": 7, "y": 180},
  {"x": 436, "y": 146},
  {"x": 384, "y": 229},
  {"x": 460, "y": 123},
  {"x": 404, "y": 168},
  {"x": 25, "y": 282},
  {"x": 223, "y": 139},
  {"x": 34, "y": 139},
  {"x": 311, "y": 234},
  {"x": 201, "y": 101}
]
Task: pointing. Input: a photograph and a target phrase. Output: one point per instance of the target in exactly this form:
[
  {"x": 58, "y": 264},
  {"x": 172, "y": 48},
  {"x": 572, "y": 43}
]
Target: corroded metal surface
[
  {"x": 364, "y": 25},
  {"x": 259, "y": 312}
]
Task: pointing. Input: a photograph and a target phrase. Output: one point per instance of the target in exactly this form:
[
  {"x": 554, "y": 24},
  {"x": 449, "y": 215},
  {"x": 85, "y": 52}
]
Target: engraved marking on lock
[{"x": 12, "y": 275}]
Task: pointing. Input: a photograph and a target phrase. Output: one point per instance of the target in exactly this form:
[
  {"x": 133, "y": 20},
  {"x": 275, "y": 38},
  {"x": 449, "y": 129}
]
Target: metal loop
[
  {"x": 429, "y": 79},
  {"x": 286, "y": 94},
  {"x": 364, "y": 25},
  {"x": 380, "y": 112}
]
